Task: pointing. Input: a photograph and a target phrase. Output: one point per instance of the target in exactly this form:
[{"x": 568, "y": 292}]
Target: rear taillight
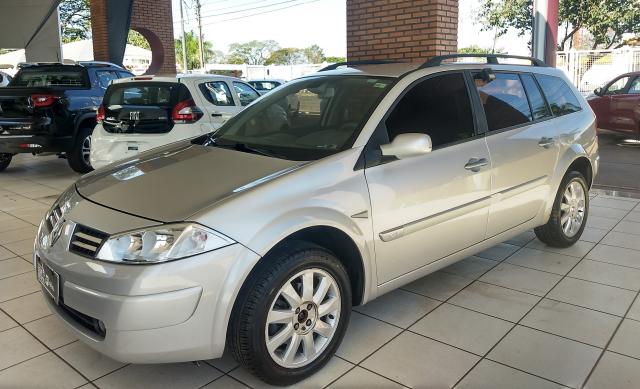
[
  {"x": 100, "y": 115},
  {"x": 186, "y": 112},
  {"x": 41, "y": 101}
]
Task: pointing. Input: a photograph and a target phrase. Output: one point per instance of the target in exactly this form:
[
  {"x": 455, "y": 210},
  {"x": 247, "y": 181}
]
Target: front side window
[
  {"x": 538, "y": 105},
  {"x": 218, "y": 93},
  {"x": 246, "y": 94},
  {"x": 264, "y": 86},
  {"x": 559, "y": 96},
  {"x": 305, "y": 119},
  {"x": 438, "y": 106},
  {"x": 634, "y": 88},
  {"x": 617, "y": 86},
  {"x": 504, "y": 101}
]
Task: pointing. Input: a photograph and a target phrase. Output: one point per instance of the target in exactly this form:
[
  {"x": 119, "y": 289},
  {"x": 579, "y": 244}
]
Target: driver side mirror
[
  {"x": 598, "y": 91},
  {"x": 407, "y": 145}
]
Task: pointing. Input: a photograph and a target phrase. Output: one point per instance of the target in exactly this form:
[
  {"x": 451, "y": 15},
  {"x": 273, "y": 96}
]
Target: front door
[
  {"x": 625, "y": 108},
  {"x": 429, "y": 206}
]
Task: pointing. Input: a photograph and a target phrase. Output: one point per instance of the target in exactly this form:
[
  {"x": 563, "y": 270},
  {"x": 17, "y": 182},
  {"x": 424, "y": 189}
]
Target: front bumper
[{"x": 169, "y": 312}]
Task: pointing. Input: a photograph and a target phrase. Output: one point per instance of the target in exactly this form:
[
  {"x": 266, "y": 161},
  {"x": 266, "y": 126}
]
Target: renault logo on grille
[
  {"x": 134, "y": 115},
  {"x": 57, "y": 222}
]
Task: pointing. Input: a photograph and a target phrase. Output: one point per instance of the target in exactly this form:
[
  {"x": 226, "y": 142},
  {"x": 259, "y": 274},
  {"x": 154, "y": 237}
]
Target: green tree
[
  {"x": 314, "y": 54},
  {"x": 286, "y": 56},
  {"x": 136, "y": 39},
  {"x": 193, "y": 51},
  {"x": 606, "y": 20},
  {"x": 251, "y": 53},
  {"x": 474, "y": 49},
  {"x": 75, "y": 20},
  {"x": 335, "y": 59}
]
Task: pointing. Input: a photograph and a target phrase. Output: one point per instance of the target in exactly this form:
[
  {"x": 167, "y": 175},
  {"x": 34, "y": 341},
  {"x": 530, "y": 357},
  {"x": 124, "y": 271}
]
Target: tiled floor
[{"x": 517, "y": 315}]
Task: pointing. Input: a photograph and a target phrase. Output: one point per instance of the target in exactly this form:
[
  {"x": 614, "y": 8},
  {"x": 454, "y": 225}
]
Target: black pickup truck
[{"x": 51, "y": 108}]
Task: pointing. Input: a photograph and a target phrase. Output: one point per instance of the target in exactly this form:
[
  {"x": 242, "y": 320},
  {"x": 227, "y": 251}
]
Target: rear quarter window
[{"x": 559, "y": 95}]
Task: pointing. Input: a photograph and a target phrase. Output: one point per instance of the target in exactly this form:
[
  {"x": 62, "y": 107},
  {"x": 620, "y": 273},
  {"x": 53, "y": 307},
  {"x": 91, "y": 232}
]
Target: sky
[{"x": 302, "y": 23}]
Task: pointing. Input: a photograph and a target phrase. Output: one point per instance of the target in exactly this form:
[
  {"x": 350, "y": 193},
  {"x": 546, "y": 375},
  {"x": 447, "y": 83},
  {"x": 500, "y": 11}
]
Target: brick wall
[
  {"x": 152, "y": 18},
  {"x": 401, "y": 29}
]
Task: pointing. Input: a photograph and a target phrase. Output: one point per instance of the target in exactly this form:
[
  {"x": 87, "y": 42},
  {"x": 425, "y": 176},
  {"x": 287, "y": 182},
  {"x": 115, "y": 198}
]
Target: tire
[
  {"x": 5, "y": 160},
  {"x": 559, "y": 233},
  {"x": 262, "y": 294},
  {"x": 78, "y": 157}
]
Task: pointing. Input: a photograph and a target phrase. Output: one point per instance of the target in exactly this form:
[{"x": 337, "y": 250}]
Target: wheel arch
[{"x": 85, "y": 120}]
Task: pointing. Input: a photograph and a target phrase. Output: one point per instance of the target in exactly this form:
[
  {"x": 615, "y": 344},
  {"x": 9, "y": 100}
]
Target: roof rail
[
  {"x": 356, "y": 63},
  {"x": 98, "y": 63},
  {"x": 491, "y": 59}
]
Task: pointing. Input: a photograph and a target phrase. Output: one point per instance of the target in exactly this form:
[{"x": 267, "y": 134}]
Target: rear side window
[
  {"x": 68, "y": 77},
  {"x": 504, "y": 101},
  {"x": 217, "y": 93},
  {"x": 438, "y": 106},
  {"x": 538, "y": 104},
  {"x": 560, "y": 97},
  {"x": 105, "y": 76}
]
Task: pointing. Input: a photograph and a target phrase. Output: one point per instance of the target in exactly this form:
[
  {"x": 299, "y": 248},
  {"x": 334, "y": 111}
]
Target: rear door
[
  {"x": 522, "y": 141},
  {"x": 220, "y": 103}
]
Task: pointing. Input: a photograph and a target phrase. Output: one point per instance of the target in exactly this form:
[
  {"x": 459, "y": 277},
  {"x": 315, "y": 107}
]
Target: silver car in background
[{"x": 262, "y": 236}]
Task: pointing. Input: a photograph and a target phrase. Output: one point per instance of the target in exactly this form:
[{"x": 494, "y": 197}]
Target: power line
[
  {"x": 261, "y": 13},
  {"x": 248, "y": 9}
]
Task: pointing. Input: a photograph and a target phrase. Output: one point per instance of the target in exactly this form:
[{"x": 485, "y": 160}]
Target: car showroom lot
[{"x": 517, "y": 315}]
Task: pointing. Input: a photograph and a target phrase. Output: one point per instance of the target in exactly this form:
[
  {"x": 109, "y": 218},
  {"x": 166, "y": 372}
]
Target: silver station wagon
[{"x": 260, "y": 237}]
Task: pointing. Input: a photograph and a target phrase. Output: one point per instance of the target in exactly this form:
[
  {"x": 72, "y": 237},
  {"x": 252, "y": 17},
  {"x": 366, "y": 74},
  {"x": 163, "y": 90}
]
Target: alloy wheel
[
  {"x": 86, "y": 149},
  {"x": 572, "y": 209},
  {"x": 303, "y": 318}
]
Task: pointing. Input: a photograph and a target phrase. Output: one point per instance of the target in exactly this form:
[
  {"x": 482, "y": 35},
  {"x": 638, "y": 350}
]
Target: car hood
[{"x": 177, "y": 182}]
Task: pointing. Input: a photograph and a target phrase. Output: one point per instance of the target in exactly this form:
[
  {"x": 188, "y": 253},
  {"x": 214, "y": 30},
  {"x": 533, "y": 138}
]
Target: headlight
[{"x": 161, "y": 244}]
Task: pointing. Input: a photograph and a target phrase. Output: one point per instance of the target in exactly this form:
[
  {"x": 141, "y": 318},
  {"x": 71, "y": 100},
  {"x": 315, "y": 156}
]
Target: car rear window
[
  {"x": 559, "y": 96},
  {"x": 162, "y": 94},
  {"x": 68, "y": 77}
]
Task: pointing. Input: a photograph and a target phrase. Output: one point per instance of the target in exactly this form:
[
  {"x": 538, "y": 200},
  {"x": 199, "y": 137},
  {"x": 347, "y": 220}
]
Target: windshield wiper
[{"x": 246, "y": 148}]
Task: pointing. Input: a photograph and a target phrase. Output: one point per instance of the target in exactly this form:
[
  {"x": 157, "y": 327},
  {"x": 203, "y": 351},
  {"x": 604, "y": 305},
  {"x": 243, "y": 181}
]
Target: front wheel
[
  {"x": 569, "y": 214},
  {"x": 291, "y": 315},
  {"x": 5, "y": 160},
  {"x": 78, "y": 157}
]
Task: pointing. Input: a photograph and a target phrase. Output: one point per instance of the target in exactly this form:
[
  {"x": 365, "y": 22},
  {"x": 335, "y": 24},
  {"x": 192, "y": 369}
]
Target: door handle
[
  {"x": 546, "y": 142},
  {"x": 475, "y": 164},
  {"x": 216, "y": 114}
]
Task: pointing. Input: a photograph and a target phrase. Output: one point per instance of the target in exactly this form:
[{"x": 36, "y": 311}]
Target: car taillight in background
[
  {"x": 100, "y": 115},
  {"x": 42, "y": 101},
  {"x": 186, "y": 112}
]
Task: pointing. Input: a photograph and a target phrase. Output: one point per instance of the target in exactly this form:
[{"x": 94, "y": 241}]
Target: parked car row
[
  {"x": 95, "y": 113},
  {"x": 258, "y": 238}
]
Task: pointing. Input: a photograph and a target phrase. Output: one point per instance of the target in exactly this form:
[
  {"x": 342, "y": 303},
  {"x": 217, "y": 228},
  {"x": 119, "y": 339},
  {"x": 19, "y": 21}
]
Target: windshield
[
  {"x": 306, "y": 119},
  {"x": 55, "y": 76}
]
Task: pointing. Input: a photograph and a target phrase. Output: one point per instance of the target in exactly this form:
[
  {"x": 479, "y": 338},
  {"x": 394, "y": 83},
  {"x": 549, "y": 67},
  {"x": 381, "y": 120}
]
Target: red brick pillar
[
  {"x": 154, "y": 20},
  {"x": 151, "y": 18},
  {"x": 401, "y": 29}
]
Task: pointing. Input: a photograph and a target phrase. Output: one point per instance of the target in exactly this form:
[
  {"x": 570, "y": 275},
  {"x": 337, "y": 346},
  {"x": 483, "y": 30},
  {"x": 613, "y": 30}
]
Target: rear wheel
[
  {"x": 5, "y": 160},
  {"x": 569, "y": 213},
  {"x": 78, "y": 157},
  {"x": 291, "y": 315}
]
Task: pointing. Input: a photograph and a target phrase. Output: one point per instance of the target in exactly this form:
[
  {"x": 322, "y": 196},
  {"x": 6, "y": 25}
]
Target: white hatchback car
[{"x": 140, "y": 113}]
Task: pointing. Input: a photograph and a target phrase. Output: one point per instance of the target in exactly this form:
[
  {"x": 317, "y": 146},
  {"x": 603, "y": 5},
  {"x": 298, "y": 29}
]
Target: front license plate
[{"x": 49, "y": 279}]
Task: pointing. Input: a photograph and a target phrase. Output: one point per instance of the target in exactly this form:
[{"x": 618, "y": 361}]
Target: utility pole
[
  {"x": 200, "y": 34},
  {"x": 185, "y": 65}
]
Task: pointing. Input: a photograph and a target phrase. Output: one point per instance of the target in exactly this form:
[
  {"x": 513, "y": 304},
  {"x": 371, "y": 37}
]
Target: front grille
[{"x": 86, "y": 241}]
